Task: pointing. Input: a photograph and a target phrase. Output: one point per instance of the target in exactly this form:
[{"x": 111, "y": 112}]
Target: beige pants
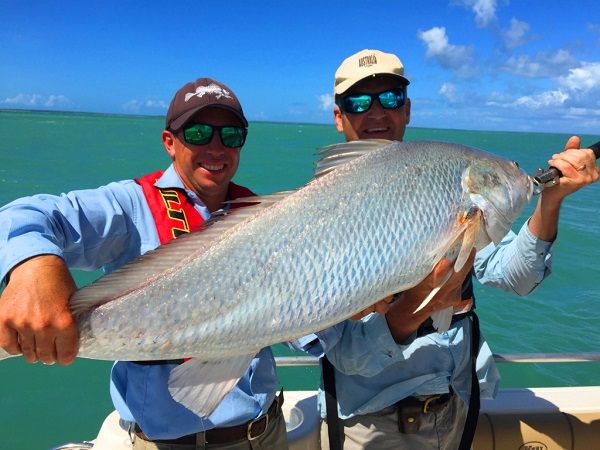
[
  {"x": 274, "y": 438},
  {"x": 439, "y": 431}
]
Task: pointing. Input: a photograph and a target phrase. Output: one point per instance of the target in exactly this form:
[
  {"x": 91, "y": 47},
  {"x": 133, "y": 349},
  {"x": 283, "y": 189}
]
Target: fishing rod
[{"x": 549, "y": 177}]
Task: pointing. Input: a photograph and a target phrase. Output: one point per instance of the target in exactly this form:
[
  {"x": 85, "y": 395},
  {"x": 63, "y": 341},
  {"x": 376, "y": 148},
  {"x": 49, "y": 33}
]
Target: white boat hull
[{"x": 520, "y": 419}]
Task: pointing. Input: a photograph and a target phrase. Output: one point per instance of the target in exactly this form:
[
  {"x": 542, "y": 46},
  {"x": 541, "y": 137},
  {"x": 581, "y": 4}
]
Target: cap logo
[
  {"x": 212, "y": 88},
  {"x": 367, "y": 61}
]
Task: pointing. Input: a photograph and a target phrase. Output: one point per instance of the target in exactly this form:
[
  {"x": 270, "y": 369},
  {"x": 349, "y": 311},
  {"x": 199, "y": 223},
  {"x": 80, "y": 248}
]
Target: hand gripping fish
[{"x": 375, "y": 220}]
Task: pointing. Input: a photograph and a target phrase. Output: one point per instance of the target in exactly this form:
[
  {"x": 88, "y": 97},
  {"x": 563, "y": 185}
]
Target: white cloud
[
  {"x": 583, "y": 79},
  {"x": 515, "y": 36},
  {"x": 24, "y": 99},
  {"x": 455, "y": 57},
  {"x": 543, "y": 100},
  {"x": 155, "y": 104},
  {"x": 450, "y": 93},
  {"x": 538, "y": 101},
  {"x": 57, "y": 100},
  {"x": 36, "y": 100},
  {"x": 543, "y": 65},
  {"x": 147, "y": 105},
  {"x": 571, "y": 98},
  {"x": 326, "y": 102},
  {"x": 484, "y": 10}
]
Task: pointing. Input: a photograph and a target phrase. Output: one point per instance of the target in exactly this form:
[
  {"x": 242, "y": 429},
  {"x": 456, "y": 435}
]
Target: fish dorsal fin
[
  {"x": 332, "y": 156},
  {"x": 167, "y": 258},
  {"x": 263, "y": 201}
]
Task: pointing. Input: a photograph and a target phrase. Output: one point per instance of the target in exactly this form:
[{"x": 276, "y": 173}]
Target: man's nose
[
  {"x": 376, "y": 111},
  {"x": 215, "y": 146}
]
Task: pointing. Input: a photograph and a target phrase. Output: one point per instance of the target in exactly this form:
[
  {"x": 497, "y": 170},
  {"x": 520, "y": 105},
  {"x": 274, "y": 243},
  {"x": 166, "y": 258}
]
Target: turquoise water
[{"x": 54, "y": 152}]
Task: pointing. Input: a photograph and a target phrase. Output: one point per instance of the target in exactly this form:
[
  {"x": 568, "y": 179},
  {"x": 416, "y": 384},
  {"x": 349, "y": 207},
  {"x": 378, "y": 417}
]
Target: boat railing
[{"x": 287, "y": 361}]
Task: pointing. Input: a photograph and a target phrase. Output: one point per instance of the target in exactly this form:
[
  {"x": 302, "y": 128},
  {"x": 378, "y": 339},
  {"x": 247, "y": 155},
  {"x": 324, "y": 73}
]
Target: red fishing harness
[{"x": 173, "y": 212}]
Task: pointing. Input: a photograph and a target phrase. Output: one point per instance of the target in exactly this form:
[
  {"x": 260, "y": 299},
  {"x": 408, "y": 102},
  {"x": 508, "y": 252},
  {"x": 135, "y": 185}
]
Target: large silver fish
[{"x": 374, "y": 221}]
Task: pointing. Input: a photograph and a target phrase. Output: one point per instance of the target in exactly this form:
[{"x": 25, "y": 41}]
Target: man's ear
[
  {"x": 407, "y": 110},
  {"x": 169, "y": 143},
  {"x": 338, "y": 119}
]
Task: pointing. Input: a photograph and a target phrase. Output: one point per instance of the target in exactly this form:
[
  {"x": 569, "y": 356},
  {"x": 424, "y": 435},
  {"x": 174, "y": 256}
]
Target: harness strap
[
  {"x": 334, "y": 430},
  {"x": 474, "y": 400},
  {"x": 172, "y": 211}
]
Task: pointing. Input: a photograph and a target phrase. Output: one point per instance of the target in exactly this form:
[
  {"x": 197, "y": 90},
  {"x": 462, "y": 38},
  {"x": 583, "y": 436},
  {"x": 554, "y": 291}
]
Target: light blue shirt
[
  {"x": 372, "y": 371},
  {"x": 105, "y": 228}
]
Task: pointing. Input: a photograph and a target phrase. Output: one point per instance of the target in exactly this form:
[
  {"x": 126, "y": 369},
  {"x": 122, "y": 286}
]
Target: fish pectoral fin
[
  {"x": 468, "y": 242},
  {"x": 466, "y": 246},
  {"x": 442, "y": 319},
  {"x": 200, "y": 385},
  {"x": 434, "y": 291}
]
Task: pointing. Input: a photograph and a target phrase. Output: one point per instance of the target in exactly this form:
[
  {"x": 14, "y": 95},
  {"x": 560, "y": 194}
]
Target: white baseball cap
[{"x": 364, "y": 64}]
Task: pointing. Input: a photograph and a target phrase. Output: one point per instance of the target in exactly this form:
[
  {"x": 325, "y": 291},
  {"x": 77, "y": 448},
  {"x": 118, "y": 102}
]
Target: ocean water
[{"x": 51, "y": 152}]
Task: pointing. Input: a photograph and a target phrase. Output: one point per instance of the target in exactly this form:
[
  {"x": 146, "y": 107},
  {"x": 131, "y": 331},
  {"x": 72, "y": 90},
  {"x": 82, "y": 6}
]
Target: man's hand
[
  {"x": 401, "y": 317},
  {"x": 34, "y": 315},
  {"x": 578, "y": 168},
  {"x": 381, "y": 307}
]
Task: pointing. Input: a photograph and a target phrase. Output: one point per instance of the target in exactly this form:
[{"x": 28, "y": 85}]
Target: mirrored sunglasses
[
  {"x": 202, "y": 133},
  {"x": 360, "y": 103}
]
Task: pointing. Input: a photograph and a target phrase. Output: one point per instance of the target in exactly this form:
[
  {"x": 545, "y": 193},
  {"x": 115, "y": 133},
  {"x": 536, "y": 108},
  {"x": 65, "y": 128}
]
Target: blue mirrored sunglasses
[{"x": 360, "y": 103}]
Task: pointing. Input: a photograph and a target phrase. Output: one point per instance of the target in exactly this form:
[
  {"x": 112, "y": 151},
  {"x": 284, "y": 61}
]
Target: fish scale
[{"x": 373, "y": 226}]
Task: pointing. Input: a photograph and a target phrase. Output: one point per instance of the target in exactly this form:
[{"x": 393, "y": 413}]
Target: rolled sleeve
[
  {"x": 87, "y": 228},
  {"x": 22, "y": 248},
  {"x": 518, "y": 264}
]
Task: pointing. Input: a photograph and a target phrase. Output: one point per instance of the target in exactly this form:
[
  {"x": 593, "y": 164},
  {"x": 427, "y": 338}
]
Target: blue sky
[{"x": 473, "y": 64}]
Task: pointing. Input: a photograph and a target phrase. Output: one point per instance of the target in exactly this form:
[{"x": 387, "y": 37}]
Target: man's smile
[
  {"x": 212, "y": 167},
  {"x": 377, "y": 130}
]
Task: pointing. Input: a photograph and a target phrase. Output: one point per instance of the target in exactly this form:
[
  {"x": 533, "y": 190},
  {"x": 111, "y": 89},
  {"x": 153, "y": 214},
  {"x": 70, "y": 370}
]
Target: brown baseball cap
[
  {"x": 364, "y": 64},
  {"x": 200, "y": 94}
]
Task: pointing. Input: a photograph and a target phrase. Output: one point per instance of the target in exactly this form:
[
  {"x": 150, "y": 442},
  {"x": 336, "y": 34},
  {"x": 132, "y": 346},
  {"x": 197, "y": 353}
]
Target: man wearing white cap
[{"x": 399, "y": 383}]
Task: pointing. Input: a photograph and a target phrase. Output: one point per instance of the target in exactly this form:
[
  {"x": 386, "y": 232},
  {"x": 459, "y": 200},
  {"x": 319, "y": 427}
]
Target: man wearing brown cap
[
  {"x": 109, "y": 226},
  {"x": 397, "y": 382}
]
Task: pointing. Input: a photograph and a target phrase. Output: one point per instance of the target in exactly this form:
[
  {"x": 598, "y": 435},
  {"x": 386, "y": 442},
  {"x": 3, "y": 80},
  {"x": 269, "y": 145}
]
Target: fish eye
[{"x": 516, "y": 164}]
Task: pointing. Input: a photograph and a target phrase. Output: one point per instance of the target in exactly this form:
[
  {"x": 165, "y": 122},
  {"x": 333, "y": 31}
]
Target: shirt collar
[{"x": 170, "y": 179}]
